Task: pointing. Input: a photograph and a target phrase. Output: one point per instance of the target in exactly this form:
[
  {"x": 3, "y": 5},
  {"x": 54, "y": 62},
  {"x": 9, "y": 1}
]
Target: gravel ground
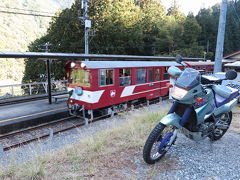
[
  {"x": 205, "y": 159},
  {"x": 218, "y": 160}
]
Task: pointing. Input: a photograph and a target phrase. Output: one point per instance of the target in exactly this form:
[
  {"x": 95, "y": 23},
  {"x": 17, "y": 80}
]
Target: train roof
[
  {"x": 127, "y": 64},
  {"x": 199, "y": 63},
  {"x": 235, "y": 64}
]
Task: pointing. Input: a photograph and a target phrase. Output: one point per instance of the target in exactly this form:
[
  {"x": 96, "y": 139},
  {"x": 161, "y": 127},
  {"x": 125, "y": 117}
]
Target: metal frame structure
[{"x": 74, "y": 56}]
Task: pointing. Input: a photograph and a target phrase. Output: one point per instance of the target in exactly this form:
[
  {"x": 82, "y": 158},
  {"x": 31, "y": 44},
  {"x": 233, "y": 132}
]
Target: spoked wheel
[
  {"x": 222, "y": 123},
  {"x": 158, "y": 143}
]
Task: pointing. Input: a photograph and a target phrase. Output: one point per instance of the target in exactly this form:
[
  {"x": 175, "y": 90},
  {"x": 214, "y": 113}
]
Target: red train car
[
  {"x": 113, "y": 85},
  {"x": 204, "y": 66},
  {"x": 106, "y": 87}
]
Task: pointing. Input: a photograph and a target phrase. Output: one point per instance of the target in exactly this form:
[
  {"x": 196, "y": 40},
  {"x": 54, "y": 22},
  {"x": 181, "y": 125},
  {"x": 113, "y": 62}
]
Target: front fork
[
  {"x": 167, "y": 141},
  {"x": 174, "y": 136},
  {"x": 174, "y": 119}
]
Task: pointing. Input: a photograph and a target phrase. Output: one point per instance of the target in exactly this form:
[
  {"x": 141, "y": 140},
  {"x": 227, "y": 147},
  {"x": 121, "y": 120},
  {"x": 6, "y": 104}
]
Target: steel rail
[{"x": 11, "y": 134}]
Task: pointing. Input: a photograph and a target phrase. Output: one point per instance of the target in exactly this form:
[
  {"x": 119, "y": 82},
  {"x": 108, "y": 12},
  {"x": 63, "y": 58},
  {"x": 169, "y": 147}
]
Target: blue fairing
[{"x": 221, "y": 100}]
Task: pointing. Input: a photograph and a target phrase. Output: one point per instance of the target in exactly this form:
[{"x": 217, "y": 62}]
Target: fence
[{"x": 7, "y": 91}]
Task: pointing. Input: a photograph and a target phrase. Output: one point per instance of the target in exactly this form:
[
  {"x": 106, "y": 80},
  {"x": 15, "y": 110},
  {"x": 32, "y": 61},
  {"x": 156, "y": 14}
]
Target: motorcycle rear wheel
[
  {"x": 151, "y": 152},
  {"x": 218, "y": 132}
]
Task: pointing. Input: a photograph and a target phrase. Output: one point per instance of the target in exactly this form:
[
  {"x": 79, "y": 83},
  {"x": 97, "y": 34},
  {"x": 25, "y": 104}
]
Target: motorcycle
[{"x": 201, "y": 108}]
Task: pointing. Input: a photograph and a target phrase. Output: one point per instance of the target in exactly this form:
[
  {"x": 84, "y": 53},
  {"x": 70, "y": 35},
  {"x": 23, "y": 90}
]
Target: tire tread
[{"x": 149, "y": 143}]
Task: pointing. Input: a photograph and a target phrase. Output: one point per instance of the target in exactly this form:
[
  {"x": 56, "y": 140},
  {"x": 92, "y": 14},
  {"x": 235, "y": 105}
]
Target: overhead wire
[
  {"x": 26, "y": 14},
  {"x": 44, "y": 12}
]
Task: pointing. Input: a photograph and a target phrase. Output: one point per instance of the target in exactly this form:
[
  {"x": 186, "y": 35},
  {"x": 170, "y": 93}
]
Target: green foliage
[
  {"x": 137, "y": 27},
  {"x": 33, "y": 67},
  {"x": 208, "y": 20}
]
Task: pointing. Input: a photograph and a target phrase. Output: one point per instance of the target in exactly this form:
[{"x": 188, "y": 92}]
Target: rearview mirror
[
  {"x": 174, "y": 71},
  {"x": 179, "y": 59},
  {"x": 231, "y": 75}
]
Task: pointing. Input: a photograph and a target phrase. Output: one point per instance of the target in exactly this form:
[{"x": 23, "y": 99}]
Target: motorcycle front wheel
[{"x": 158, "y": 143}]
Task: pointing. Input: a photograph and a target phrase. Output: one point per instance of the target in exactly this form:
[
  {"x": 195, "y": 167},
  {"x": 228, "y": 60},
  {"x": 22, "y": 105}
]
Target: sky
[{"x": 194, "y": 6}]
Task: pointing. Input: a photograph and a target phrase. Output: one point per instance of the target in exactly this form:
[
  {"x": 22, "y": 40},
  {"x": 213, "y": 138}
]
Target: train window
[
  {"x": 150, "y": 75},
  {"x": 80, "y": 77},
  {"x": 157, "y": 75},
  {"x": 125, "y": 77},
  {"x": 166, "y": 75},
  {"x": 105, "y": 77},
  {"x": 194, "y": 67},
  {"x": 141, "y": 76}
]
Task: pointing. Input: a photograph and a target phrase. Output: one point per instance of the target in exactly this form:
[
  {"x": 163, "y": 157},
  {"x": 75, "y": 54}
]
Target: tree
[
  {"x": 175, "y": 11},
  {"x": 136, "y": 27}
]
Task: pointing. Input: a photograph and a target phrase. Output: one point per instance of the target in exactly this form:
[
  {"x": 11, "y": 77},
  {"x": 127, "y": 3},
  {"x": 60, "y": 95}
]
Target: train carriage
[
  {"x": 114, "y": 85},
  {"x": 203, "y": 66}
]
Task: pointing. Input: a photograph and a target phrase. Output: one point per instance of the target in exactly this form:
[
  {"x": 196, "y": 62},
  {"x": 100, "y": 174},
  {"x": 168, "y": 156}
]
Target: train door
[
  {"x": 157, "y": 79},
  {"x": 164, "y": 79},
  {"x": 107, "y": 83}
]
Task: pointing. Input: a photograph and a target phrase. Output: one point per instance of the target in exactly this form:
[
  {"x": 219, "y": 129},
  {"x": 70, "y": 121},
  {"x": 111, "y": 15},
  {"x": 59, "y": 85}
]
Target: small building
[{"x": 235, "y": 56}]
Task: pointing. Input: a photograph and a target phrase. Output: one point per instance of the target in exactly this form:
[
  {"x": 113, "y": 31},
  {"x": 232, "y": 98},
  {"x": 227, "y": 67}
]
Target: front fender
[{"x": 171, "y": 119}]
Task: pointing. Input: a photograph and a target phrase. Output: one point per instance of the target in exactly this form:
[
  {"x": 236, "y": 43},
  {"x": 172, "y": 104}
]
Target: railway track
[{"x": 25, "y": 136}]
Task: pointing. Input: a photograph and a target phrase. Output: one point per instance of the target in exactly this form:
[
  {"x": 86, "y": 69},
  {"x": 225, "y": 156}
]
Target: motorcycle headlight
[{"x": 178, "y": 93}]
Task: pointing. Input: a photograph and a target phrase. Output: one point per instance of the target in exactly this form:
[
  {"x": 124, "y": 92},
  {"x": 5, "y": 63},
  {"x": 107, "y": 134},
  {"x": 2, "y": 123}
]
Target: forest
[
  {"x": 136, "y": 27},
  {"x": 18, "y": 31}
]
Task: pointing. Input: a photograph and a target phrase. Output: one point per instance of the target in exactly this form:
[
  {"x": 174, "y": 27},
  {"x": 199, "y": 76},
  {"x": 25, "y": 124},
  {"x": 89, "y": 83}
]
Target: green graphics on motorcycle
[{"x": 201, "y": 108}]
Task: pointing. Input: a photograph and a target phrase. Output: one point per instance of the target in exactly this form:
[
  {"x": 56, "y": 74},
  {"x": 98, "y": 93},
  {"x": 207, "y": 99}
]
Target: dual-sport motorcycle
[{"x": 201, "y": 108}]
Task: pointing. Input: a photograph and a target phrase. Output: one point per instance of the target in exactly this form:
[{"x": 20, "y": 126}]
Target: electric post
[
  {"x": 48, "y": 68},
  {"x": 220, "y": 37},
  {"x": 87, "y": 24}
]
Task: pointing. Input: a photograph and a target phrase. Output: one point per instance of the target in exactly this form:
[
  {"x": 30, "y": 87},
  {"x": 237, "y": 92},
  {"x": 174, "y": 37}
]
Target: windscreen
[
  {"x": 188, "y": 79},
  {"x": 80, "y": 77}
]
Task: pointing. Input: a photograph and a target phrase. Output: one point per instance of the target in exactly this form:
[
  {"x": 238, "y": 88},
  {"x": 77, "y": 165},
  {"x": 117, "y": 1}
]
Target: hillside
[{"x": 18, "y": 31}]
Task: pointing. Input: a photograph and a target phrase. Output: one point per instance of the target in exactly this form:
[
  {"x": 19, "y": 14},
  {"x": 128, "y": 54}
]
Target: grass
[{"x": 111, "y": 154}]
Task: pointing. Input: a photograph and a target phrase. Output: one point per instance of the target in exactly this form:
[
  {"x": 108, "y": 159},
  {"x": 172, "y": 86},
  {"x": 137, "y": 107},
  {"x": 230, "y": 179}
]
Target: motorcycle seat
[{"x": 224, "y": 94}]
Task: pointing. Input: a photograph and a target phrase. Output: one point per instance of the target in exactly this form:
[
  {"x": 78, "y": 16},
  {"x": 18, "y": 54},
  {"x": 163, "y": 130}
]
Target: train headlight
[
  {"x": 78, "y": 91},
  {"x": 73, "y": 64},
  {"x": 83, "y": 65}
]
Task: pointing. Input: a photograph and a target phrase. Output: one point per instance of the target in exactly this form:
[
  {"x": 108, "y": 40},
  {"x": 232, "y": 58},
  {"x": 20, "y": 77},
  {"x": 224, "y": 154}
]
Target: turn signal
[
  {"x": 199, "y": 99},
  {"x": 169, "y": 85}
]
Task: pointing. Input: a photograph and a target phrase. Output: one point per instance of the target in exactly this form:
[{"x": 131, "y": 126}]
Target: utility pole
[
  {"x": 87, "y": 24},
  {"x": 220, "y": 37}
]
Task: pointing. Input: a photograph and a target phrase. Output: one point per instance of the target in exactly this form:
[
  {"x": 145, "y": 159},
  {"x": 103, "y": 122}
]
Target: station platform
[{"x": 23, "y": 115}]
